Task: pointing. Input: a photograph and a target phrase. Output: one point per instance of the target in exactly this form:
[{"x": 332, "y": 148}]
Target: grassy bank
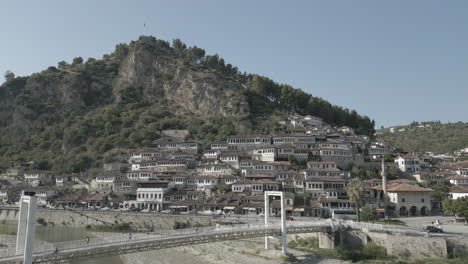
[
  {"x": 118, "y": 228},
  {"x": 5, "y": 230}
]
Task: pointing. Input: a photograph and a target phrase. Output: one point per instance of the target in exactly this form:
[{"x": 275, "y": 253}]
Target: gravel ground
[{"x": 229, "y": 252}]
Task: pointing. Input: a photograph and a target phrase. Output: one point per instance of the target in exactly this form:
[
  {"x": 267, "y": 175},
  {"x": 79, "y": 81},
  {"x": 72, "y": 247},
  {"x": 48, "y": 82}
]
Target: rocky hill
[
  {"x": 78, "y": 115},
  {"x": 427, "y": 137}
]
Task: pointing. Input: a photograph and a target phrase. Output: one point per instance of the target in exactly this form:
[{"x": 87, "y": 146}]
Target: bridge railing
[{"x": 110, "y": 239}]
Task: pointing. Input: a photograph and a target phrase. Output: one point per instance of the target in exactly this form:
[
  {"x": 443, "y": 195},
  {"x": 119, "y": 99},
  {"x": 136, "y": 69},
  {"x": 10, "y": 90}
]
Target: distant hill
[
  {"x": 80, "y": 114},
  {"x": 427, "y": 137}
]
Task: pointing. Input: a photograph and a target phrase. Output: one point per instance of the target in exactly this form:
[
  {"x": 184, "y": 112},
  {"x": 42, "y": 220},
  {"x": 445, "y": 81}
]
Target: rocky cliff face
[
  {"x": 145, "y": 71},
  {"x": 153, "y": 73}
]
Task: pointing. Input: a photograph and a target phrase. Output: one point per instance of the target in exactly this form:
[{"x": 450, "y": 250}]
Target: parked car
[
  {"x": 145, "y": 211},
  {"x": 290, "y": 218},
  {"x": 104, "y": 208},
  {"x": 433, "y": 229}
]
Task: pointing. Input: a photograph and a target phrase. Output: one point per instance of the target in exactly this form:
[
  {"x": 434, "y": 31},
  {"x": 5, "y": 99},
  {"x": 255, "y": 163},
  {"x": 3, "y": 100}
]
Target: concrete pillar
[
  {"x": 327, "y": 240},
  {"x": 21, "y": 233},
  {"x": 30, "y": 231},
  {"x": 284, "y": 236},
  {"x": 26, "y": 226}
]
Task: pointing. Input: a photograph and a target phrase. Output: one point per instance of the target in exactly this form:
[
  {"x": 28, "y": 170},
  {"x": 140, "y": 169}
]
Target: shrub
[
  {"x": 41, "y": 221},
  {"x": 181, "y": 225}
]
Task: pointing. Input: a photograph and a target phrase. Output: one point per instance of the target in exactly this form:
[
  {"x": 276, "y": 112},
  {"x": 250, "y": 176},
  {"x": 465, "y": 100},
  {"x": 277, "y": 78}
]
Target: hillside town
[{"x": 311, "y": 161}]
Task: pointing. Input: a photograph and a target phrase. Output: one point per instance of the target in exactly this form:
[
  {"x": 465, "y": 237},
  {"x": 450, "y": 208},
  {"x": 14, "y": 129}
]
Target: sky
[{"x": 396, "y": 61}]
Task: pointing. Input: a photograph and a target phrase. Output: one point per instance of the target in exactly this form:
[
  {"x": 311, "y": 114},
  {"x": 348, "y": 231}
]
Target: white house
[
  {"x": 245, "y": 143},
  {"x": 265, "y": 154},
  {"x": 319, "y": 172},
  {"x": 231, "y": 158},
  {"x": 462, "y": 172},
  {"x": 145, "y": 155},
  {"x": 458, "y": 180},
  {"x": 376, "y": 152},
  {"x": 38, "y": 177},
  {"x": 44, "y": 194},
  {"x": 458, "y": 191},
  {"x": 408, "y": 163},
  {"x": 105, "y": 181},
  {"x": 255, "y": 186},
  {"x": 150, "y": 194},
  {"x": 321, "y": 165}
]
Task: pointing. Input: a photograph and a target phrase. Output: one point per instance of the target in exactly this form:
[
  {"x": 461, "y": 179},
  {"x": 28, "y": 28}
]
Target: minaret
[
  {"x": 384, "y": 177},
  {"x": 384, "y": 188}
]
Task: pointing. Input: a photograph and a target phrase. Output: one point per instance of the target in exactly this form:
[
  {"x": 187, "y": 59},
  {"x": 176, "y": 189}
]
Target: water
[{"x": 54, "y": 234}]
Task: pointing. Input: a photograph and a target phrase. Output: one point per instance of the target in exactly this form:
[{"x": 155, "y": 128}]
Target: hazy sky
[{"x": 395, "y": 61}]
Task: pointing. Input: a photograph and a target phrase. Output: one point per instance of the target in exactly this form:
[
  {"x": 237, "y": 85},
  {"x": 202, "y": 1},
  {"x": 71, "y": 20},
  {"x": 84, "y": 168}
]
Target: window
[
  {"x": 422, "y": 200},
  {"x": 403, "y": 200}
]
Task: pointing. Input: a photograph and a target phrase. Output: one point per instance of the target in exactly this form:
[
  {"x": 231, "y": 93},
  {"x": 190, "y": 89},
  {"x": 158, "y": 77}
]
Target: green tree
[
  {"x": 441, "y": 190},
  {"x": 459, "y": 207},
  {"x": 356, "y": 172},
  {"x": 197, "y": 53},
  {"x": 77, "y": 60},
  {"x": 62, "y": 64},
  {"x": 355, "y": 192},
  {"x": 368, "y": 213},
  {"x": 178, "y": 45},
  {"x": 292, "y": 160},
  {"x": 448, "y": 206}
]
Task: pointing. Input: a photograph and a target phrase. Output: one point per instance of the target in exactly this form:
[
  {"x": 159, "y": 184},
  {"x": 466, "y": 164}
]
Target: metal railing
[{"x": 112, "y": 239}]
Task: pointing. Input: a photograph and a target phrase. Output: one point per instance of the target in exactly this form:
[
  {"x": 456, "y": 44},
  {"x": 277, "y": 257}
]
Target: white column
[
  {"x": 30, "y": 231},
  {"x": 283, "y": 226},
  {"x": 21, "y": 233},
  {"x": 266, "y": 212},
  {"x": 26, "y": 227}
]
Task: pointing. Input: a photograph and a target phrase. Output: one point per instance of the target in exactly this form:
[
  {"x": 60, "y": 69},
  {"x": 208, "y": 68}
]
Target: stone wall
[
  {"x": 415, "y": 247},
  {"x": 141, "y": 221}
]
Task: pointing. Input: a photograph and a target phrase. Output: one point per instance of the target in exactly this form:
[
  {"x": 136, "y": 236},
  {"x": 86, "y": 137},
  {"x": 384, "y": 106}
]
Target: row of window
[{"x": 149, "y": 196}]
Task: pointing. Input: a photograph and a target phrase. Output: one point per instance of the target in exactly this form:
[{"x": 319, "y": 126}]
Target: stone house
[{"x": 409, "y": 200}]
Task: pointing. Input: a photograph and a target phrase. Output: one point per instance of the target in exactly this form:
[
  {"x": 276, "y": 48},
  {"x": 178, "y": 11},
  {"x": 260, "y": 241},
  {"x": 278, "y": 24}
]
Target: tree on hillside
[
  {"x": 62, "y": 64},
  {"x": 9, "y": 76},
  {"x": 355, "y": 191},
  {"x": 77, "y": 60},
  {"x": 178, "y": 45}
]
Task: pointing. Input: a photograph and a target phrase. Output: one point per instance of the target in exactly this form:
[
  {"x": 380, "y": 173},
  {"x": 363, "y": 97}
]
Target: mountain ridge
[
  {"x": 424, "y": 137},
  {"x": 72, "y": 116}
]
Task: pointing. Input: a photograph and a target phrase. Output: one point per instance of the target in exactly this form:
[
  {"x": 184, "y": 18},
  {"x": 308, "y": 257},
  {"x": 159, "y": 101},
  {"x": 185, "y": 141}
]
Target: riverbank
[
  {"x": 227, "y": 252},
  {"x": 85, "y": 218}
]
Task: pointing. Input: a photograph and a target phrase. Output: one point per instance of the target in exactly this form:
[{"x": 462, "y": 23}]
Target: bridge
[{"x": 121, "y": 244}]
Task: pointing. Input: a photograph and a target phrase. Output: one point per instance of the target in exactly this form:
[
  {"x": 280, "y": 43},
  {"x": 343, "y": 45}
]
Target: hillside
[
  {"x": 427, "y": 137},
  {"x": 78, "y": 115}
]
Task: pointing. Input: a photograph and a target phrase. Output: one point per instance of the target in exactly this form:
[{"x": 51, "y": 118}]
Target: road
[{"x": 446, "y": 223}]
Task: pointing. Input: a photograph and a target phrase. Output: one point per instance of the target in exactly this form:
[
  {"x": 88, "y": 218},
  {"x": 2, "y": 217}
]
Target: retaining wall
[{"x": 141, "y": 221}]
